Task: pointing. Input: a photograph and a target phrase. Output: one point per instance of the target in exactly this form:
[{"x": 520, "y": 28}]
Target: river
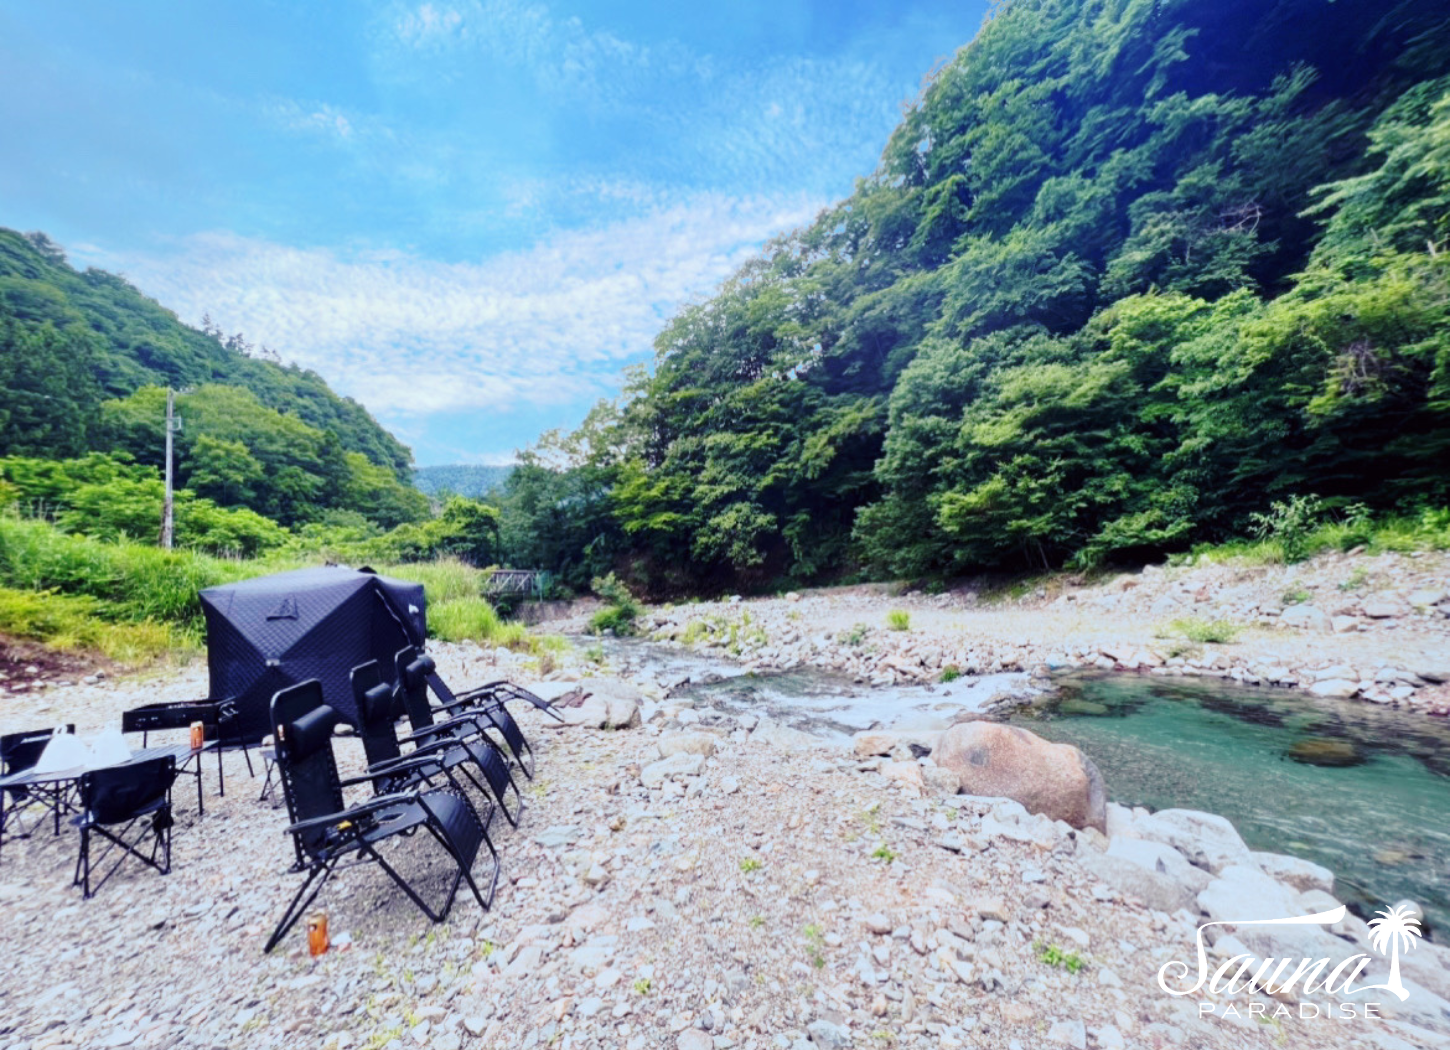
[{"x": 1363, "y": 790}]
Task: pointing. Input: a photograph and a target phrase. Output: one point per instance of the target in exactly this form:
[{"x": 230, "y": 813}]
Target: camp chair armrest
[
  {"x": 352, "y": 814},
  {"x": 401, "y": 765},
  {"x": 454, "y": 704},
  {"x": 479, "y": 690},
  {"x": 426, "y": 735},
  {"x": 430, "y": 749}
]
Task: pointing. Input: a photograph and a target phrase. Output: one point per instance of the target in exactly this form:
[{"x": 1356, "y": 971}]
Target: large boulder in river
[{"x": 1057, "y": 780}]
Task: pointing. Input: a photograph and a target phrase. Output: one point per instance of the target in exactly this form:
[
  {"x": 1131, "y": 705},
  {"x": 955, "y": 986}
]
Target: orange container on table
[
  {"x": 317, "y": 933},
  {"x": 198, "y": 736}
]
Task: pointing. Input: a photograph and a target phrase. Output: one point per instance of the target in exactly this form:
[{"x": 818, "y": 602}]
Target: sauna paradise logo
[{"x": 1393, "y": 929}]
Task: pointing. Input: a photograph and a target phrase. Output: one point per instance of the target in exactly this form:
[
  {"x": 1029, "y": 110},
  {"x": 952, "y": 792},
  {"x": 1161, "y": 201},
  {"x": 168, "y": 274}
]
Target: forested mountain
[
  {"x": 70, "y": 339},
  {"x": 461, "y": 480},
  {"x": 1128, "y": 272},
  {"x": 84, "y": 362}
]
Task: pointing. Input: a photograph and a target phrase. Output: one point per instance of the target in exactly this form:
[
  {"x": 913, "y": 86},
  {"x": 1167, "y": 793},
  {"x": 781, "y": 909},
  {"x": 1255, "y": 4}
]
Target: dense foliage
[
  {"x": 111, "y": 498},
  {"x": 1129, "y": 272},
  {"x": 71, "y": 339}
]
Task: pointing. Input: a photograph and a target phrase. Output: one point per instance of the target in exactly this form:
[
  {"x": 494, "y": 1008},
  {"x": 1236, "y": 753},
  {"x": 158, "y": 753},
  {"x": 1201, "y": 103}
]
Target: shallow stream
[{"x": 1360, "y": 789}]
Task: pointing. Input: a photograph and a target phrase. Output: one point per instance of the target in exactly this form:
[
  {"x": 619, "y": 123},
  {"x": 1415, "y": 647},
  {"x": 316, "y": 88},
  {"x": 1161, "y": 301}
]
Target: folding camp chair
[
  {"x": 326, "y": 831},
  {"x": 19, "y": 752},
  {"x": 486, "y": 702},
  {"x": 463, "y": 730},
  {"x": 116, "y": 799}
]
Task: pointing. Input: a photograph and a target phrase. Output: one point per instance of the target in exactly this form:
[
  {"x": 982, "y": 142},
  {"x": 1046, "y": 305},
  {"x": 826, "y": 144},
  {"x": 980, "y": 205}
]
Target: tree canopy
[{"x": 1128, "y": 271}]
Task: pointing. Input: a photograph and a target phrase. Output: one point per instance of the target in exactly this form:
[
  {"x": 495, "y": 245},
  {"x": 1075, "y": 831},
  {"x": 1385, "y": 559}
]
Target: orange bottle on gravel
[{"x": 317, "y": 933}]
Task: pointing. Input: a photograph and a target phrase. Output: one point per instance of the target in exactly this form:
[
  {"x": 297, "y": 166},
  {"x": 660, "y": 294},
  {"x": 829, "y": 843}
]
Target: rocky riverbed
[
  {"x": 1375, "y": 628},
  {"x": 683, "y": 877}
]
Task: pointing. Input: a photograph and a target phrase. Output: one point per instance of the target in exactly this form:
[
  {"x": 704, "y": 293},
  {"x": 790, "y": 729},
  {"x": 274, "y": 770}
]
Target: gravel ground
[{"x": 761, "y": 897}]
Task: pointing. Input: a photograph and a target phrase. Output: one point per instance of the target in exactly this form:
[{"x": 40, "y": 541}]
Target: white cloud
[{"x": 405, "y": 335}]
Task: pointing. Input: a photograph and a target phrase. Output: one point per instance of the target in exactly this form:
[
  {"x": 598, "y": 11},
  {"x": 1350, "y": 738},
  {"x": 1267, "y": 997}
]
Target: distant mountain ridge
[
  {"x": 461, "y": 479},
  {"x": 71, "y": 339}
]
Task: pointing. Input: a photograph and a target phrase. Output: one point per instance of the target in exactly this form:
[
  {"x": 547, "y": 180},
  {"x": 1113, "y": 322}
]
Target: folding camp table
[{"x": 219, "y": 721}]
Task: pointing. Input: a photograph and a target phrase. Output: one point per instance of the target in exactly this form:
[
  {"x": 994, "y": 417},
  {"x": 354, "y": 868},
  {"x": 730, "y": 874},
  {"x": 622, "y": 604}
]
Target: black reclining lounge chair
[
  {"x": 486, "y": 709},
  {"x": 327, "y": 832},
  {"x": 391, "y": 770},
  {"x": 113, "y": 801},
  {"x": 499, "y": 693},
  {"x": 462, "y": 730}
]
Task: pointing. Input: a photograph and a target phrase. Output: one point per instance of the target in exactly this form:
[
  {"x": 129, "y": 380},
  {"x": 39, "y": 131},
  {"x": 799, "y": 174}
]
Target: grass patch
[
  {"x": 1427, "y": 531},
  {"x": 1204, "y": 632},
  {"x": 898, "y": 620},
  {"x": 1356, "y": 581},
  {"x": 815, "y": 945},
  {"x": 855, "y": 636},
  {"x": 1298, "y": 596},
  {"x": 133, "y": 602},
  {"x": 474, "y": 619},
  {"x": 950, "y": 673},
  {"x": 74, "y": 623},
  {"x": 1052, "y": 955},
  {"x": 750, "y": 864},
  {"x": 884, "y": 853}
]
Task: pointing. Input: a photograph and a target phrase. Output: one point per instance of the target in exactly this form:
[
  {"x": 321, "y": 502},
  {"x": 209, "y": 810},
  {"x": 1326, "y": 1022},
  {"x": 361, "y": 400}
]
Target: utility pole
[{"x": 173, "y": 424}]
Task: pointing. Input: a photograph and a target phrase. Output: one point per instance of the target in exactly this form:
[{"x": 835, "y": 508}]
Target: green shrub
[
  {"x": 1289, "y": 523},
  {"x": 622, "y": 609},
  {"x": 898, "y": 620},
  {"x": 1206, "y": 631},
  {"x": 950, "y": 673}
]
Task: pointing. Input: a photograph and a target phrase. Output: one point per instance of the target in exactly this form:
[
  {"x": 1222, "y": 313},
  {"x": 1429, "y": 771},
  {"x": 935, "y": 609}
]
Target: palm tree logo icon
[{"x": 1389, "y": 931}]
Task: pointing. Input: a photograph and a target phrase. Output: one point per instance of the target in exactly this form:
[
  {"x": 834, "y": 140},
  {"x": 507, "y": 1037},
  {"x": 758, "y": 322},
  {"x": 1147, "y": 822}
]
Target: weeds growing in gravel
[
  {"x": 898, "y": 620},
  {"x": 950, "y": 673},
  {"x": 1052, "y": 955},
  {"x": 815, "y": 945},
  {"x": 883, "y": 853},
  {"x": 750, "y": 864}
]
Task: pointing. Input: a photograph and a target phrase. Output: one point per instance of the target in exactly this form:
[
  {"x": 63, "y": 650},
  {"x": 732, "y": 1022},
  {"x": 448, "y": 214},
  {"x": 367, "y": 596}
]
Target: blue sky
[{"x": 468, "y": 214}]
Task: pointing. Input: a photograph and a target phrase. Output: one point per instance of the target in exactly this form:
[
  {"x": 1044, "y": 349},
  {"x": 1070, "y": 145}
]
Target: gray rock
[
  {"x": 773, "y": 734},
  {"x": 558, "y": 835},
  {"x": 1297, "y": 872},
  {"x": 686, "y": 743},
  {"x": 1068, "y": 1033},
  {"x": 829, "y": 1036},
  {"x": 1161, "y": 859},
  {"x": 1206, "y": 839},
  {"x": 682, "y": 764},
  {"x": 694, "y": 1039},
  {"x": 1245, "y": 893},
  {"x": 1306, "y": 617},
  {"x": 1128, "y": 879}
]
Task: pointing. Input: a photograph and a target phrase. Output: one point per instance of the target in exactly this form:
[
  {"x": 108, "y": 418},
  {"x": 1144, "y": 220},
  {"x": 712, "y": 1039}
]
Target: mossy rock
[{"x": 1325, "y": 751}]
